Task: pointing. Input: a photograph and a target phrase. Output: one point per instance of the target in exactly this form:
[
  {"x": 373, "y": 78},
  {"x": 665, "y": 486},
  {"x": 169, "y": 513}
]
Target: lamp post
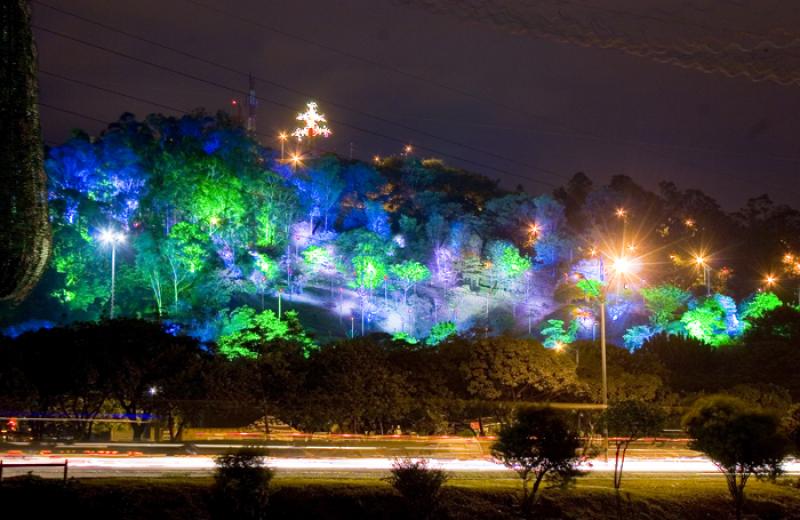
[
  {"x": 282, "y": 138},
  {"x": 108, "y": 236},
  {"x": 620, "y": 267},
  {"x": 702, "y": 264},
  {"x": 297, "y": 160}
]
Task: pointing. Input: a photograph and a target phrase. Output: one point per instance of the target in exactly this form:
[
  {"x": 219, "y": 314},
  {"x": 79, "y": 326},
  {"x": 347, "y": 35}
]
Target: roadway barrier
[{"x": 3, "y": 464}]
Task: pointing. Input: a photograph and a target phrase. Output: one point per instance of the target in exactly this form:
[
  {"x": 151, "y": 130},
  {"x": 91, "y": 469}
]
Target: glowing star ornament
[{"x": 314, "y": 123}]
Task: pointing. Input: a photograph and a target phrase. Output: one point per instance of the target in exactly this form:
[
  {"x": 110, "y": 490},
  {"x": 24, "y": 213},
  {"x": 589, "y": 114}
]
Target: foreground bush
[
  {"x": 418, "y": 484},
  {"x": 241, "y": 485},
  {"x": 538, "y": 446},
  {"x": 740, "y": 440}
]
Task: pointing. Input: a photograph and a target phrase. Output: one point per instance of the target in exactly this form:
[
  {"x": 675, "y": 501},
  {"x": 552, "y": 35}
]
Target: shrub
[
  {"x": 740, "y": 440},
  {"x": 418, "y": 484},
  {"x": 538, "y": 446},
  {"x": 241, "y": 485}
]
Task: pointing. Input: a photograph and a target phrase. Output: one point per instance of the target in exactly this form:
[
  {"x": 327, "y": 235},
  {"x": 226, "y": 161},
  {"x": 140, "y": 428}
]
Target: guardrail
[{"x": 3, "y": 464}]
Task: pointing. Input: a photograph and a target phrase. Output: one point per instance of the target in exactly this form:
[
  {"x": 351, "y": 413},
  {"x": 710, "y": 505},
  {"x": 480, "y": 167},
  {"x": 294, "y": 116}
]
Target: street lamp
[
  {"x": 296, "y": 160},
  {"x": 282, "y": 137},
  {"x": 700, "y": 260},
  {"x": 770, "y": 280},
  {"x": 108, "y": 236},
  {"x": 621, "y": 267}
]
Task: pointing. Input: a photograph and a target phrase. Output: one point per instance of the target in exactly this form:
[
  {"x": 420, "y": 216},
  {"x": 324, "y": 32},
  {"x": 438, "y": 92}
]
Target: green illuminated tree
[
  {"x": 556, "y": 335},
  {"x": 706, "y": 323},
  {"x": 507, "y": 263},
  {"x": 591, "y": 289},
  {"x": 266, "y": 271},
  {"x": 664, "y": 302},
  {"x": 440, "y": 332},
  {"x": 184, "y": 250},
  {"x": 150, "y": 264},
  {"x": 757, "y": 306},
  {"x": 319, "y": 261},
  {"x": 275, "y": 208},
  {"x": 248, "y": 334},
  {"x": 409, "y": 273},
  {"x": 369, "y": 271},
  {"x": 79, "y": 258}
]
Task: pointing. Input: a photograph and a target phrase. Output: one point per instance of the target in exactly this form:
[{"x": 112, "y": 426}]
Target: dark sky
[{"x": 529, "y": 92}]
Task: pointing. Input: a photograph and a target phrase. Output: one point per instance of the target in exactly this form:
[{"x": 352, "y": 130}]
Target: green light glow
[
  {"x": 440, "y": 332},
  {"x": 404, "y": 336},
  {"x": 592, "y": 289},
  {"x": 369, "y": 270},
  {"x": 664, "y": 302},
  {"x": 556, "y": 335},
  {"x": 248, "y": 333},
  {"x": 706, "y": 323},
  {"x": 758, "y": 306}
]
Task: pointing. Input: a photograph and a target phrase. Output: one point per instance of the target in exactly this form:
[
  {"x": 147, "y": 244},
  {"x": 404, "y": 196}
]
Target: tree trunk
[
  {"x": 25, "y": 240},
  {"x": 619, "y": 461}
]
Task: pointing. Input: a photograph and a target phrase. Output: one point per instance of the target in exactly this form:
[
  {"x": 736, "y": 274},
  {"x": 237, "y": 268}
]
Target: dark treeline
[{"x": 368, "y": 384}]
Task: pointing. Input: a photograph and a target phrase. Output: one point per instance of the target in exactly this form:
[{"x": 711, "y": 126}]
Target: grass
[{"x": 662, "y": 497}]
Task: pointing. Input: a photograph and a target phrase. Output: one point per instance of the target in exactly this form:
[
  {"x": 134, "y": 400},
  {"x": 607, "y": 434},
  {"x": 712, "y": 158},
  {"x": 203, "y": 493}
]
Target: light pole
[
  {"x": 620, "y": 267},
  {"x": 700, "y": 260},
  {"x": 296, "y": 160},
  {"x": 282, "y": 137},
  {"x": 108, "y": 236}
]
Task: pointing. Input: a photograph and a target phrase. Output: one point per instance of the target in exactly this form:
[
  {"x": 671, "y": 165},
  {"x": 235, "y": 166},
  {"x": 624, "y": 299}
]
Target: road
[{"x": 203, "y": 465}]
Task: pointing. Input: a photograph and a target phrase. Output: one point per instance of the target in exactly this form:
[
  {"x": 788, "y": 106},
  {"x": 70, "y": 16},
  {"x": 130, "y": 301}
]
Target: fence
[{"x": 3, "y": 464}]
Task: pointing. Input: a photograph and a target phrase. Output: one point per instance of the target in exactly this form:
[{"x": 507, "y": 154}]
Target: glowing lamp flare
[
  {"x": 108, "y": 236},
  {"x": 621, "y": 213},
  {"x": 770, "y": 280},
  {"x": 296, "y": 159},
  {"x": 622, "y": 265}
]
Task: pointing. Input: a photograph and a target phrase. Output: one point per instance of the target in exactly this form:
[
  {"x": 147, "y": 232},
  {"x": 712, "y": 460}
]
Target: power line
[
  {"x": 287, "y": 107},
  {"x": 123, "y": 94},
  {"x": 368, "y": 61},
  {"x": 558, "y": 130},
  {"x": 305, "y": 94},
  {"x": 73, "y": 113},
  {"x": 471, "y": 148},
  {"x": 112, "y": 91}
]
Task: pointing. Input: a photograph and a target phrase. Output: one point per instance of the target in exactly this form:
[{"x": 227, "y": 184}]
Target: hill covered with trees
[{"x": 221, "y": 238}]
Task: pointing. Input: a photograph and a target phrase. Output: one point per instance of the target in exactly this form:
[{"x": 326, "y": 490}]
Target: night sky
[{"x": 527, "y": 95}]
